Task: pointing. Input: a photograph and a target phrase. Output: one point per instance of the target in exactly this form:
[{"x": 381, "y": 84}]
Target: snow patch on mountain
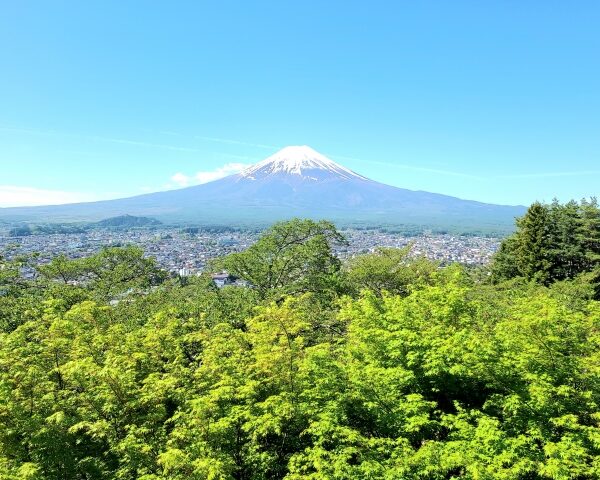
[{"x": 297, "y": 160}]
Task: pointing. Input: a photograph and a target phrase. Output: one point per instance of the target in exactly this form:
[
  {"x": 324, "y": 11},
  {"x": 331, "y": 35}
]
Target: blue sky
[{"x": 493, "y": 101}]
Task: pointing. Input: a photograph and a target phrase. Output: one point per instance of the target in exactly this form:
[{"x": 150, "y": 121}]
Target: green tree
[
  {"x": 590, "y": 231},
  {"x": 19, "y": 297},
  {"x": 111, "y": 272},
  {"x": 553, "y": 243},
  {"x": 389, "y": 269},
  {"x": 426, "y": 373},
  {"x": 290, "y": 258},
  {"x": 566, "y": 252},
  {"x": 533, "y": 244},
  {"x": 590, "y": 240}
]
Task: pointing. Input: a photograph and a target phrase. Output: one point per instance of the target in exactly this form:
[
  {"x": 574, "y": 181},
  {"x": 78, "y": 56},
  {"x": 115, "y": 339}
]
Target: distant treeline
[
  {"x": 46, "y": 229},
  {"x": 130, "y": 222},
  {"x": 120, "y": 222}
]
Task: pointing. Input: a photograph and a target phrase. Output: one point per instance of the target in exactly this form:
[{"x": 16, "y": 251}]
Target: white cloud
[
  {"x": 15, "y": 196},
  {"x": 220, "y": 172},
  {"x": 181, "y": 180},
  {"x": 18, "y": 196}
]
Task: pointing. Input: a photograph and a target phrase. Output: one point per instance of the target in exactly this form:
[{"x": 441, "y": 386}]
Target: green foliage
[
  {"x": 18, "y": 297},
  {"x": 127, "y": 221},
  {"x": 290, "y": 258},
  {"x": 109, "y": 371},
  {"x": 390, "y": 270},
  {"x": 534, "y": 243},
  {"x": 552, "y": 243},
  {"x": 109, "y": 273}
]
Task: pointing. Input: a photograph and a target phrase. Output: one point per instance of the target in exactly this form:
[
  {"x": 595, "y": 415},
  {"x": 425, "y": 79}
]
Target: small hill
[{"x": 127, "y": 221}]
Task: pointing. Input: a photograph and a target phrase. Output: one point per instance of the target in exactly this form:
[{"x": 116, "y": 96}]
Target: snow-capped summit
[
  {"x": 298, "y": 160},
  {"x": 294, "y": 182}
]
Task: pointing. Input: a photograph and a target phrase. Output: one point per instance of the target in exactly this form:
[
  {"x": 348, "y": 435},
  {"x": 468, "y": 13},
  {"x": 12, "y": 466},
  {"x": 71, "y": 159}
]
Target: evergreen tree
[
  {"x": 590, "y": 240},
  {"x": 566, "y": 253},
  {"x": 590, "y": 232},
  {"x": 553, "y": 243},
  {"x": 533, "y": 244}
]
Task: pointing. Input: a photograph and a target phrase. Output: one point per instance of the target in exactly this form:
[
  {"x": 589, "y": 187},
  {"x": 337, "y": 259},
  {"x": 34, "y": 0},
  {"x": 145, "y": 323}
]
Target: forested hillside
[{"x": 384, "y": 367}]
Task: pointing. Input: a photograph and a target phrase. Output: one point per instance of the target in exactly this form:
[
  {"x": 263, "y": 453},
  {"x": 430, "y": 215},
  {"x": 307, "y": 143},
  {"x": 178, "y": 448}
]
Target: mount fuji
[{"x": 297, "y": 181}]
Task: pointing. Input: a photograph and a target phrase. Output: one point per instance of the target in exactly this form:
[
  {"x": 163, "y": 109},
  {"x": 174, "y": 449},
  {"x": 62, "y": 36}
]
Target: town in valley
[{"x": 186, "y": 251}]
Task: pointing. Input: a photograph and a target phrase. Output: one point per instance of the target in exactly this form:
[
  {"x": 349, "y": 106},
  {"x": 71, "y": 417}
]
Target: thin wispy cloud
[
  {"x": 438, "y": 171},
  {"x": 576, "y": 173},
  {"x": 413, "y": 168},
  {"x": 147, "y": 144},
  {"x": 450, "y": 173},
  {"x": 235, "y": 142},
  {"x": 172, "y": 134},
  {"x": 245, "y": 160},
  {"x": 123, "y": 141}
]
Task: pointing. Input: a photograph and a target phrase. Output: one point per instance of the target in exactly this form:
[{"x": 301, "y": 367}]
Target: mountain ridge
[{"x": 296, "y": 181}]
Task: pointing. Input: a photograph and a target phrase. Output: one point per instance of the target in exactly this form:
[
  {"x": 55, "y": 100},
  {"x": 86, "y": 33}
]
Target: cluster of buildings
[
  {"x": 186, "y": 254},
  {"x": 446, "y": 248}
]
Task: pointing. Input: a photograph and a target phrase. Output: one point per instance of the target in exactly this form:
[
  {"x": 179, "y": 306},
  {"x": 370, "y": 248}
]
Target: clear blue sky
[{"x": 493, "y": 101}]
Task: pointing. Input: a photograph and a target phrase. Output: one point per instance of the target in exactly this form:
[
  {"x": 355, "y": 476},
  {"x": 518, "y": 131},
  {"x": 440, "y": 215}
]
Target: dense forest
[{"x": 387, "y": 366}]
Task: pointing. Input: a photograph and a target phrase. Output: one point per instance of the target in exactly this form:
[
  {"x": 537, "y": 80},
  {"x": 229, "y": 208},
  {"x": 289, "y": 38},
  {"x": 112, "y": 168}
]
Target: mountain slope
[
  {"x": 296, "y": 181},
  {"x": 128, "y": 221}
]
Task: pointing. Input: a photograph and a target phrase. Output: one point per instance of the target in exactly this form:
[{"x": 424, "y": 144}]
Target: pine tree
[
  {"x": 590, "y": 239},
  {"x": 590, "y": 232},
  {"x": 566, "y": 253},
  {"x": 533, "y": 256}
]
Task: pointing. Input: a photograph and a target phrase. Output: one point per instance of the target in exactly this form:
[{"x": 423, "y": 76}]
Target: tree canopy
[
  {"x": 553, "y": 242},
  {"x": 386, "y": 367},
  {"x": 290, "y": 258}
]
